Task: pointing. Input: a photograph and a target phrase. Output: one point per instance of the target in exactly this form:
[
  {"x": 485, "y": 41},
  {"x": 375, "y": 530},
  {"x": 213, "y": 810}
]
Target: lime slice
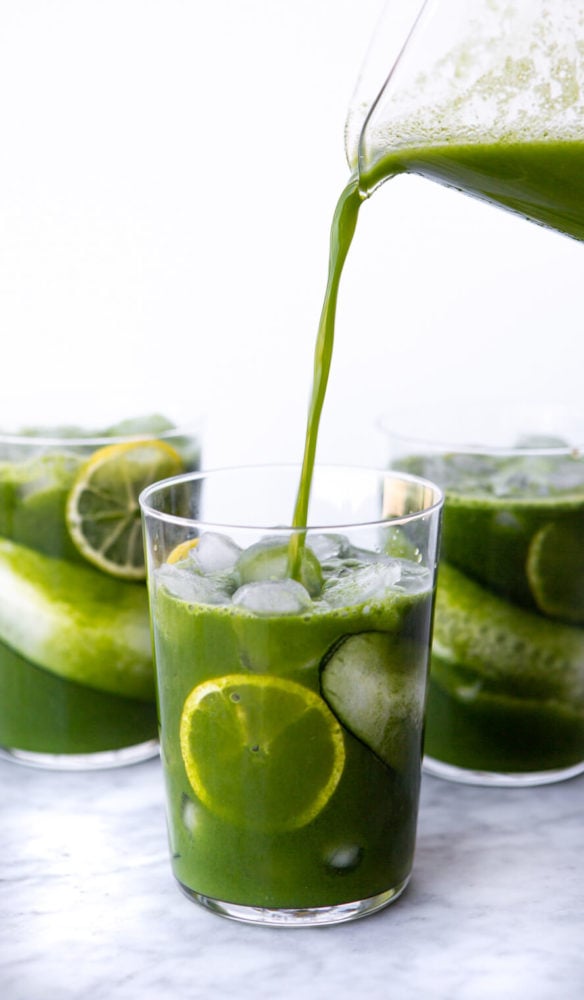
[
  {"x": 375, "y": 685},
  {"x": 103, "y": 514},
  {"x": 79, "y": 624},
  {"x": 555, "y": 570},
  {"x": 261, "y": 752}
]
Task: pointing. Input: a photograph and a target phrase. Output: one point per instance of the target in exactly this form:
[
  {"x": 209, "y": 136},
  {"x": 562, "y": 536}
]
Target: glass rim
[
  {"x": 197, "y": 476},
  {"x": 442, "y": 443},
  {"x": 97, "y": 440}
]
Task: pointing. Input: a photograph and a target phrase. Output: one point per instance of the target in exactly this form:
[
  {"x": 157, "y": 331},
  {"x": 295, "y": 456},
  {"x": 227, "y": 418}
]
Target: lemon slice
[
  {"x": 182, "y": 550},
  {"x": 102, "y": 511},
  {"x": 261, "y": 752},
  {"x": 555, "y": 570}
]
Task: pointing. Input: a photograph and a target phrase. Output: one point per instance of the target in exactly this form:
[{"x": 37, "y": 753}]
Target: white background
[{"x": 168, "y": 172}]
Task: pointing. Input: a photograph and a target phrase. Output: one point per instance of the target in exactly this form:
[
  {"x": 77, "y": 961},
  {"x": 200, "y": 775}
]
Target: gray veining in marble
[{"x": 89, "y": 910}]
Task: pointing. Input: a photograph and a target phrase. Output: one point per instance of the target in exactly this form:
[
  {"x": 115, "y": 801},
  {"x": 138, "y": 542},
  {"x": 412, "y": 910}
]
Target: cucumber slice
[
  {"x": 510, "y": 651},
  {"x": 78, "y": 623},
  {"x": 374, "y": 682}
]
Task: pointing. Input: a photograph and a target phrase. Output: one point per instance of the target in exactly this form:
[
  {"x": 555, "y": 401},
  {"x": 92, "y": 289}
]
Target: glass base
[
  {"x": 83, "y": 761},
  {"x": 514, "y": 779},
  {"x": 311, "y": 916}
]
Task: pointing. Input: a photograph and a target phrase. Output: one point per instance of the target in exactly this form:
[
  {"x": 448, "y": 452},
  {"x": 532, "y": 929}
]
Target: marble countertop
[{"x": 89, "y": 909}]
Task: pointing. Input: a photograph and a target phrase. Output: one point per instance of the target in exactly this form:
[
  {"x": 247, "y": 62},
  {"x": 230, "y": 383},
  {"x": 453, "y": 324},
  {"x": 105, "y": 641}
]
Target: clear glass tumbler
[
  {"x": 506, "y": 694},
  {"x": 76, "y": 677},
  {"x": 291, "y": 709}
]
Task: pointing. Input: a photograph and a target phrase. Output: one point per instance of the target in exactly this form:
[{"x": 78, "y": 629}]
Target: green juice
[
  {"x": 76, "y": 675},
  {"x": 507, "y": 680},
  {"x": 292, "y": 742},
  {"x": 543, "y": 181}
]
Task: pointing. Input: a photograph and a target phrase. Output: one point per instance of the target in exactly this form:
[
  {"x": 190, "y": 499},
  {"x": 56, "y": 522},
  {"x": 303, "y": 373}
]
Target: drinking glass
[
  {"x": 291, "y": 708},
  {"x": 506, "y": 693},
  {"x": 76, "y": 677}
]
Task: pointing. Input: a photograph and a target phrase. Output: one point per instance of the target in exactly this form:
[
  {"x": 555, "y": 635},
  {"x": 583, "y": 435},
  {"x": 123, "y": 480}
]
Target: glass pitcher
[{"x": 486, "y": 100}]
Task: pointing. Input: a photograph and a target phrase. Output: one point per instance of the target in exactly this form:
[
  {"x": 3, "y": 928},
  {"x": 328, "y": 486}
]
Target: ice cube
[
  {"x": 215, "y": 553},
  {"x": 344, "y": 857},
  {"x": 268, "y": 559},
  {"x": 364, "y": 583},
  {"x": 264, "y": 560},
  {"x": 541, "y": 441},
  {"x": 273, "y": 597},
  {"x": 413, "y": 579},
  {"x": 190, "y": 814},
  {"x": 328, "y": 547},
  {"x": 47, "y": 472},
  {"x": 567, "y": 474},
  {"x": 519, "y": 477},
  {"x": 191, "y": 587}
]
